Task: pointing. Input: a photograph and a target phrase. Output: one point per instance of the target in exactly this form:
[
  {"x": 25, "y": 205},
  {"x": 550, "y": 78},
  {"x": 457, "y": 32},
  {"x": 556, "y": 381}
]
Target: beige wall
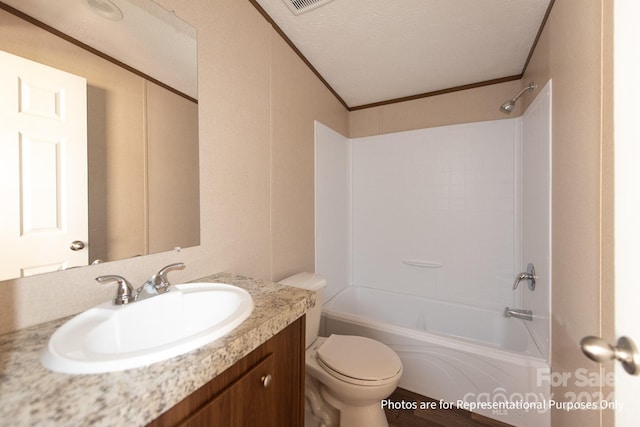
[
  {"x": 257, "y": 102},
  {"x": 471, "y": 105},
  {"x": 173, "y": 176},
  {"x": 575, "y": 51}
]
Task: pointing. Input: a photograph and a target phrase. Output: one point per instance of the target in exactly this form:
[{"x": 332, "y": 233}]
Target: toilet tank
[{"x": 310, "y": 282}]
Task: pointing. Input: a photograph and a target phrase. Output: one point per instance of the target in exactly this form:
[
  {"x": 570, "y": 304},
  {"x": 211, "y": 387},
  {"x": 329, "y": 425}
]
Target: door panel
[
  {"x": 43, "y": 167},
  {"x": 627, "y": 200}
]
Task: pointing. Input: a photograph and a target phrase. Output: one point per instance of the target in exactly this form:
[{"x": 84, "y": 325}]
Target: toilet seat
[{"x": 359, "y": 360}]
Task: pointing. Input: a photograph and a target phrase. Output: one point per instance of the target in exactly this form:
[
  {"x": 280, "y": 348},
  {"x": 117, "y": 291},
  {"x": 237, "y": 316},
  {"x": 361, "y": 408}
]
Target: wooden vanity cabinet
[{"x": 264, "y": 389}]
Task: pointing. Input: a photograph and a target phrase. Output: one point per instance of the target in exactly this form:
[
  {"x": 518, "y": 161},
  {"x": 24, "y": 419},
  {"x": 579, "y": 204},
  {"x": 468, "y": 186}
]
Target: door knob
[
  {"x": 77, "y": 245},
  {"x": 625, "y": 351}
]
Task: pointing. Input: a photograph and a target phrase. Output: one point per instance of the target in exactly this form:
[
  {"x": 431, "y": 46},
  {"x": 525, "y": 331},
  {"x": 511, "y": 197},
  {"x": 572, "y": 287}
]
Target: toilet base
[
  {"x": 318, "y": 413},
  {"x": 333, "y": 398},
  {"x": 368, "y": 415}
]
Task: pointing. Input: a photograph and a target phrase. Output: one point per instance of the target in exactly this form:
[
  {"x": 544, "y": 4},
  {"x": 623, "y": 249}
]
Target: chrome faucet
[
  {"x": 529, "y": 275},
  {"x": 156, "y": 285},
  {"x": 125, "y": 290},
  {"x": 518, "y": 313},
  {"x": 159, "y": 282}
]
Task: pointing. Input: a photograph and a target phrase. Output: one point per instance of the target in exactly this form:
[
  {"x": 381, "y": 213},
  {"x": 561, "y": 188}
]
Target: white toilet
[{"x": 346, "y": 376}]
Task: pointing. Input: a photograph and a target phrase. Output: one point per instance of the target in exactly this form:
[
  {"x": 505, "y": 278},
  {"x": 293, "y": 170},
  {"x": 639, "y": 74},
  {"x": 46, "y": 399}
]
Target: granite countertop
[{"x": 31, "y": 395}]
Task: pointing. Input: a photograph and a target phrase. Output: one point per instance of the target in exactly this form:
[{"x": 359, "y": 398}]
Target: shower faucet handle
[{"x": 529, "y": 275}]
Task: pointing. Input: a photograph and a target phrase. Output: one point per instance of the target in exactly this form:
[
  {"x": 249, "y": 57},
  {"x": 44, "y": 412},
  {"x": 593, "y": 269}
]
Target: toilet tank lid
[{"x": 309, "y": 281}]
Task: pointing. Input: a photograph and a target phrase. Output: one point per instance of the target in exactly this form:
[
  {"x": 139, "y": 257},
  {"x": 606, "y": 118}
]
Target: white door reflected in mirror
[{"x": 43, "y": 168}]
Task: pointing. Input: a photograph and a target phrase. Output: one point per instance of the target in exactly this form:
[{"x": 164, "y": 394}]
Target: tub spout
[{"x": 518, "y": 313}]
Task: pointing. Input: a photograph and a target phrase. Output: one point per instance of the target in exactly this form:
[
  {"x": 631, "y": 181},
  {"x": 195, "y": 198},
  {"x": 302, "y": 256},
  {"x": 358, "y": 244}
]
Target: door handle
[
  {"x": 625, "y": 351},
  {"x": 77, "y": 245}
]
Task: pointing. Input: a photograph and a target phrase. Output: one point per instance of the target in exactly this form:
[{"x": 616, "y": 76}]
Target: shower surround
[{"x": 421, "y": 234}]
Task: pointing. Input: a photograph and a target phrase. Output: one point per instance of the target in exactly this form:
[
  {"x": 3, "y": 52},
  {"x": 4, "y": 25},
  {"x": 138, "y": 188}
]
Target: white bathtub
[{"x": 451, "y": 351}]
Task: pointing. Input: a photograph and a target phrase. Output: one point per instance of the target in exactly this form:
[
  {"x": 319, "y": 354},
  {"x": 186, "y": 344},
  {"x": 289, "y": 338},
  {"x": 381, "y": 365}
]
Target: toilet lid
[{"x": 359, "y": 357}]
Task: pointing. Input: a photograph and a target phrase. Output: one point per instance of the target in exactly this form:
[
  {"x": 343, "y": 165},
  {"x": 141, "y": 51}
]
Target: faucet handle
[
  {"x": 162, "y": 279},
  {"x": 125, "y": 290},
  {"x": 529, "y": 275}
]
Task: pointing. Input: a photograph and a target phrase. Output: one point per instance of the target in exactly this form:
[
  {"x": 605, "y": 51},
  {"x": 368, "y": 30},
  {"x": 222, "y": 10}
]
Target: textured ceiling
[{"x": 372, "y": 51}]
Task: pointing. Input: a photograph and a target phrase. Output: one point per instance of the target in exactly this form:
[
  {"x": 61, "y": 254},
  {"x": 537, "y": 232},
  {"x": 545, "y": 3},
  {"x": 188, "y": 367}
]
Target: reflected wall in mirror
[{"x": 141, "y": 139}]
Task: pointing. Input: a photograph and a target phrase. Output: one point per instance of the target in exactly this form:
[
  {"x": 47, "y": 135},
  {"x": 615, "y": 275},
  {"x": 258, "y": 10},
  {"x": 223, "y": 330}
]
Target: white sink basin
[{"x": 110, "y": 338}]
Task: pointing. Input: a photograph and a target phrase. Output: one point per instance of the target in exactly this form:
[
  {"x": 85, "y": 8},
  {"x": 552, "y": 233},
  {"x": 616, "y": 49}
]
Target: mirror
[{"x": 142, "y": 175}]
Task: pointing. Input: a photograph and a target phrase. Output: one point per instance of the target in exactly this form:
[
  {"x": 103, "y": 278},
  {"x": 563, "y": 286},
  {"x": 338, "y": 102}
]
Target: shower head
[{"x": 508, "y": 106}]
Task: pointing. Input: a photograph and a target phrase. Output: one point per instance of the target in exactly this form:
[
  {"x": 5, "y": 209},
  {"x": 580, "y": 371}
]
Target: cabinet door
[
  {"x": 238, "y": 398},
  {"x": 247, "y": 402}
]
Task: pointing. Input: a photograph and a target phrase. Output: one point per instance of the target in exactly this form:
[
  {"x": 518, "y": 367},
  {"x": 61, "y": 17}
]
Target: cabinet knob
[{"x": 266, "y": 380}]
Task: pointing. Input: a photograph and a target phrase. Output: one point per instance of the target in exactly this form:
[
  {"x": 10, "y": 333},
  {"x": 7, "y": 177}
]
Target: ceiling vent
[{"x": 302, "y": 6}]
